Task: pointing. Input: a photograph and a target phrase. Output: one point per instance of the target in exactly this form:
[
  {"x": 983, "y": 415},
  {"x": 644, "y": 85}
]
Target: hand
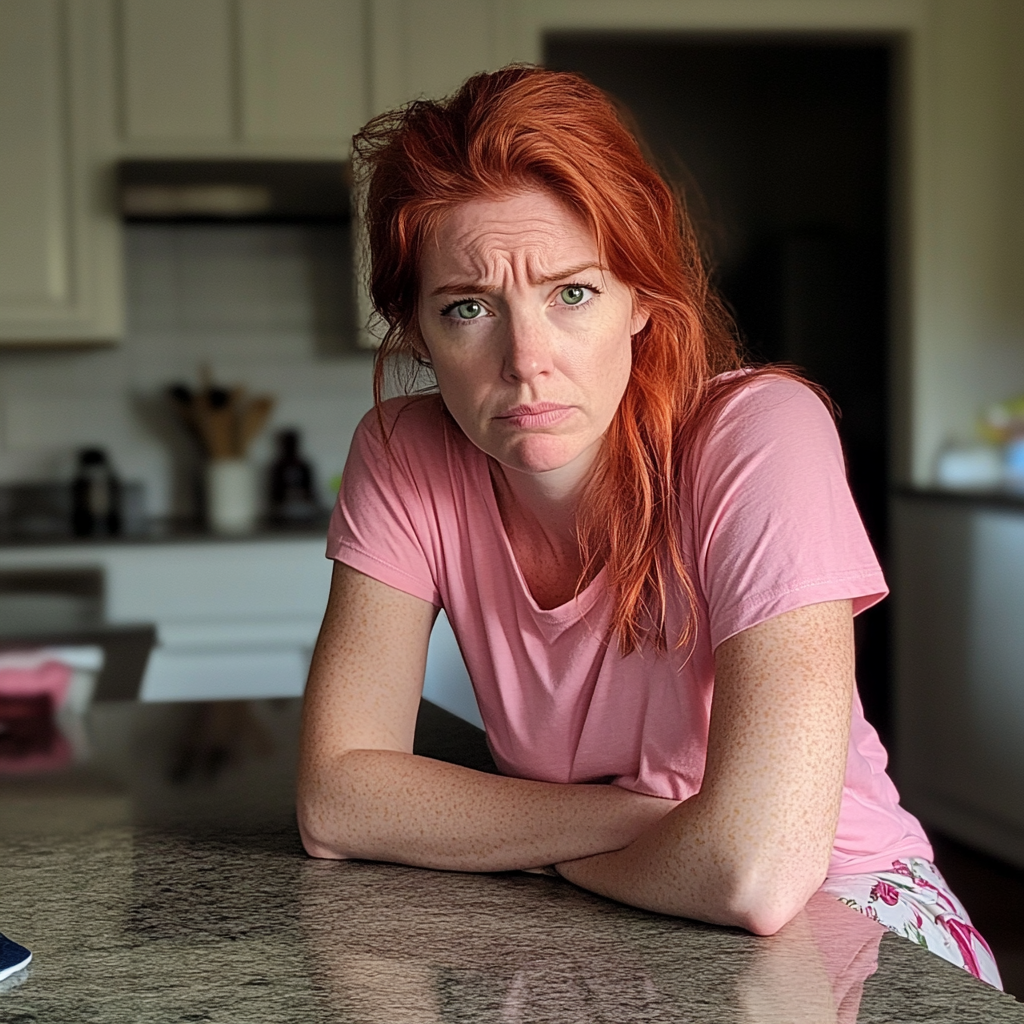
[{"x": 646, "y": 811}]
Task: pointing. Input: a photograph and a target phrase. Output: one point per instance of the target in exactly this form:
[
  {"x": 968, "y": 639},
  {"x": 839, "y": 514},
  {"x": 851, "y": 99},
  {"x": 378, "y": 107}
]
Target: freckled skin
[
  {"x": 528, "y": 344},
  {"x": 760, "y": 831},
  {"x": 362, "y": 793},
  {"x": 517, "y": 255},
  {"x": 752, "y": 846}
]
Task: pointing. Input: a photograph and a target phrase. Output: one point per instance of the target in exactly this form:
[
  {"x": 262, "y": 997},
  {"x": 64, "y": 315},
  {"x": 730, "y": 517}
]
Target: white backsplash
[{"x": 268, "y": 307}]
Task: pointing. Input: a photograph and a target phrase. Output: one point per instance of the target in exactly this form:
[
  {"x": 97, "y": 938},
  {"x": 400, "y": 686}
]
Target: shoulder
[
  {"x": 775, "y": 525},
  {"x": 404, "y": 420},
  {"x": 768, "y": 396},
  {"x": 404, "y": 433},
  {"x": 765, "y": 413},
  {"x": 412, "y": 445}
]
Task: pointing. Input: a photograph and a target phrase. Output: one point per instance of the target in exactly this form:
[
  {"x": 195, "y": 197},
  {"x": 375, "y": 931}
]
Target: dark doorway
[{"x": 782, "y": 148}]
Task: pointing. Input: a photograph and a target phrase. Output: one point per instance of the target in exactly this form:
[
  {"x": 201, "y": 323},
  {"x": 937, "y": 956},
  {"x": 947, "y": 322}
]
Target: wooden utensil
[
  {"x": 224, "y": 421},
  {"x": 253, "y": 419}
]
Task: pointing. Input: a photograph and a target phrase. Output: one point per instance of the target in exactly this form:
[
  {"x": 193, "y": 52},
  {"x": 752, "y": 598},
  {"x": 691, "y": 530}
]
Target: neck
[{"x": 543, "y": 501}]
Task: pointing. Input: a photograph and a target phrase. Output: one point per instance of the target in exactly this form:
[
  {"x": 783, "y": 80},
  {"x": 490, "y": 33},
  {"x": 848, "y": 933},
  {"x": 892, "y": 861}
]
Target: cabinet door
[
  {"x": 302, "y": 73},
  {"x": 241, "y": 77},
  {"x": 958, "y": 582},
  {"x": 425, "y": 48},
  {"x": 59, "y": 243},
  {"x": 177, "y": 69}
]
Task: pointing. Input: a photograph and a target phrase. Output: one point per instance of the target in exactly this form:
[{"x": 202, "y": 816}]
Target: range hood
[{"x": 235, "y": 191}]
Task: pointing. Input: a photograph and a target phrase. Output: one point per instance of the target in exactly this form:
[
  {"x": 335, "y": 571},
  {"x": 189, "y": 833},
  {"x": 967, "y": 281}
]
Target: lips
[{"x": 536, "y": 414}]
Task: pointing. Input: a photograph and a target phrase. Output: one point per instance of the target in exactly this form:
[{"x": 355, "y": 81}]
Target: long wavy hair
[{"x": 524, "y": 128}]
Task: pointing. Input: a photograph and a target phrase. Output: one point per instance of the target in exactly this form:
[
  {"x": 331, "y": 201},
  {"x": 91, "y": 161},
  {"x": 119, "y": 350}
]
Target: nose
[{"x": 528, "y": 349}]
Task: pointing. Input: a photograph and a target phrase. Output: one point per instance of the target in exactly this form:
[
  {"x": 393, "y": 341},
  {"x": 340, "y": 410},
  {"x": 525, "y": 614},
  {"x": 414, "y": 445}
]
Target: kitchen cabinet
[
  {"x": 235, "y": 619},
  {"x": 424, "y": 48},
  {"x": 60, "y": 261},
  {"x": 958, "y": 590},
  {"x": 237, "y": 77},
  {"x": 241, "y": 77}
]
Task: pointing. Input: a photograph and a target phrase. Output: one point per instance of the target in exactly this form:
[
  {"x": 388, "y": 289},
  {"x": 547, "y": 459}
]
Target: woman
[{"x": 649, "y": 555}]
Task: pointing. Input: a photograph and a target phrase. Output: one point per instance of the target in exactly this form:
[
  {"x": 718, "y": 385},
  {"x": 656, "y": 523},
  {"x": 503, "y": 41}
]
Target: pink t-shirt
[{"x": 769, "y": 526}]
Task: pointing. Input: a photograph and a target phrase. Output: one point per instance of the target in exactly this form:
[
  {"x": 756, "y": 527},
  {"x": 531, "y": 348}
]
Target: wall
[
  {"x": 967, "y": 320},
  {"x": 266, "y": 307}
]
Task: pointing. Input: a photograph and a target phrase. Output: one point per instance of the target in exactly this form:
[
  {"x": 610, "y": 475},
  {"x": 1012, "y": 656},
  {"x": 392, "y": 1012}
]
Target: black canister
[
  {"x": 292, "y": 488},
  {"x": 95, "y": 496}
]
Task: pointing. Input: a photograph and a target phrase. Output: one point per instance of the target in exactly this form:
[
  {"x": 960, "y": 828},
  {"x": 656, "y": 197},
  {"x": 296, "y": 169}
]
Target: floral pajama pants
[{"x": 913, "y": 900}]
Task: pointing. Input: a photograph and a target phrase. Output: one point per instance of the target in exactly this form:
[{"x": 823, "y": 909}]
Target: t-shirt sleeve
[
  {"x": 379, "y": 526},
  {"x": 776, "y": 524}
]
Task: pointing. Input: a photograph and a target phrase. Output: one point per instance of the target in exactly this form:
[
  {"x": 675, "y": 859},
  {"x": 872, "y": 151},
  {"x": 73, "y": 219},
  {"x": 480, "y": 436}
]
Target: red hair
[{"x": 526, "y": 128}]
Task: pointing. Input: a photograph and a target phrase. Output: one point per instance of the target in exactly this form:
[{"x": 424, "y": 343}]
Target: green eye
[
  {"x": 573, "y": 295},
  {"x": 469, "y": 310}
]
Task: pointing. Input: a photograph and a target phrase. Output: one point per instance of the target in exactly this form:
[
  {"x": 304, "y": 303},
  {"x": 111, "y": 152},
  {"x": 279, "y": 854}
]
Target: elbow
[
  {"x": 339, "y": 807},
  {"x": 765, "y": 917},
  {"x": 765, "y": 898},
  {"x": 316, "y": 846},
  {"x": 320, "y": 838},
  {"x": 315, "y": 840}
]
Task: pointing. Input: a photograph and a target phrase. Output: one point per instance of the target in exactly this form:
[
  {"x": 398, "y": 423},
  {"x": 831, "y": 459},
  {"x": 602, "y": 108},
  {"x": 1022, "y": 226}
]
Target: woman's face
[{"x": 529, "y": 336}]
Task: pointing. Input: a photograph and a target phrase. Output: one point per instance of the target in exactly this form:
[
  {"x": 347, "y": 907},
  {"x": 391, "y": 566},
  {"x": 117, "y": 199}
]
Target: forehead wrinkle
[
  {"x": 494, "y": 250},
  {"x": 487, "y": 260},
  {"x": 470, "y": 285}
]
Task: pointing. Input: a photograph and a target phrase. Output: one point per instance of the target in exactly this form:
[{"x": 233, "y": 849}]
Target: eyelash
[
  {"x": 581, "y": 284},
  {"x": 445, "y": 310},
  {"x": 458, "y": 302}
]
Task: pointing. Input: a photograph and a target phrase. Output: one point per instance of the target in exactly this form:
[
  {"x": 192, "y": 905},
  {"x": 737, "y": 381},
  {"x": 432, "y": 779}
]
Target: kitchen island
[{"x": 161, "y": 879}]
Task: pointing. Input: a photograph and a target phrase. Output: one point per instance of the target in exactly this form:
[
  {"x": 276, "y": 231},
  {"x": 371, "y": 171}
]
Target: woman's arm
[
  {"x": 752, "y": 846},
  {"x": 363, "y": 793}
]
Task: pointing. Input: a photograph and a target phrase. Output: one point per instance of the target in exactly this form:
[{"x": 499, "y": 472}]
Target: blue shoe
[{"x": 12, "y": 957}]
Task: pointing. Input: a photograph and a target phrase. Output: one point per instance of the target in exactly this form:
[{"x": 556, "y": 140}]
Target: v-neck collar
[{"x": 573, "y": 609}]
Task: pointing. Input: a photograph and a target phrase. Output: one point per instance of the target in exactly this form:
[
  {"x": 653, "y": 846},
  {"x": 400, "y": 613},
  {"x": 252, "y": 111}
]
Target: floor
[{"x": 993, "y": 893}]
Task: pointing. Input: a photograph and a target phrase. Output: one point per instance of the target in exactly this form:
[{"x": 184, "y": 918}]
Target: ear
[
  {"x": 639, "y": 319},
  {"x": 415, "y": 339}
]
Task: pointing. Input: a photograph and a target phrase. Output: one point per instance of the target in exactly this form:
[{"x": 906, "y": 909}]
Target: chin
[{"x": 540, "y": 455}]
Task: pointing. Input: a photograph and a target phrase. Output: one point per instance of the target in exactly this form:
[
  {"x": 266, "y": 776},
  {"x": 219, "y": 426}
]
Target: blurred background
[{"x": 183, "y": 353}]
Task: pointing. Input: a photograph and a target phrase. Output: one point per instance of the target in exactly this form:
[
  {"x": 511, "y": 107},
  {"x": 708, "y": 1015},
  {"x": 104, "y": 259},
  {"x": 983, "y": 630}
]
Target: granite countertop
[{"x": 158, "y": 877}]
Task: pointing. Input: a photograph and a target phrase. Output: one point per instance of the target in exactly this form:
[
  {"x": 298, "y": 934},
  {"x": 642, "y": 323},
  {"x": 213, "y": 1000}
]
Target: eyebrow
[{"x": 476, "y": 288}]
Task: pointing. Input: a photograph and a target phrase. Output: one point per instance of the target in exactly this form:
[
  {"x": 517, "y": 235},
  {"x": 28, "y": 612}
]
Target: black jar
[
  {"x": 95, "y": 496},
  {"x": 292, "y": 486}
]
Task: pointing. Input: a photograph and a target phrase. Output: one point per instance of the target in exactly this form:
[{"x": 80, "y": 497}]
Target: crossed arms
[{"x": 748, "y": 849}]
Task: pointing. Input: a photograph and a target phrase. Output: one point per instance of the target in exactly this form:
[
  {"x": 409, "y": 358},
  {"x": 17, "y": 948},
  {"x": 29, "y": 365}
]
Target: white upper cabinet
[
  {"x": 60, "y": 263},
  {"x": 176, "y": 69},
  {"x": 240, "y": 77},
  {"x": 424, "y": 48},
  {"x": 304, "y": 69}
]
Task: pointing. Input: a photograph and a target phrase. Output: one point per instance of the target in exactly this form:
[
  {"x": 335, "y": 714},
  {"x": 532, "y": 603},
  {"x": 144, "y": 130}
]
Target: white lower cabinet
[
  {"x": 235, "y": 620},
  {"x": 214, "y": 674},
  {"x": 958, "y": 588}
]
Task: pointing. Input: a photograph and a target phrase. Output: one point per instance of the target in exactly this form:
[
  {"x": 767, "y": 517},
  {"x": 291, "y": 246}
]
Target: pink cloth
[
  {"x": 30, "y": 680},
  {"x": 769, "y": 526}
]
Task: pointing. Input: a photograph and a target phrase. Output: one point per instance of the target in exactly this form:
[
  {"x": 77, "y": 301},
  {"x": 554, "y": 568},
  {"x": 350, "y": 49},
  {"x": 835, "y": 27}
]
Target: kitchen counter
[
  {"x": 161, "y": 879},
  {"x": 1001, "y": 498},
  {"x": 161, "y": 531}
]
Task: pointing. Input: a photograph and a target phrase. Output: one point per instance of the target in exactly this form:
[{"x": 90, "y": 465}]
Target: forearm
[
  {"x": 753, "y": 845},
  {"x": 709, "y": 863},
  {"x": 398, "y": 807}
]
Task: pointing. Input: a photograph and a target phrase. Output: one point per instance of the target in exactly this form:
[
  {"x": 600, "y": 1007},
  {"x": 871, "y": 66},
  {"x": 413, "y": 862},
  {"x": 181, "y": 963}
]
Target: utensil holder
[{"x": 231, "y": 506}]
